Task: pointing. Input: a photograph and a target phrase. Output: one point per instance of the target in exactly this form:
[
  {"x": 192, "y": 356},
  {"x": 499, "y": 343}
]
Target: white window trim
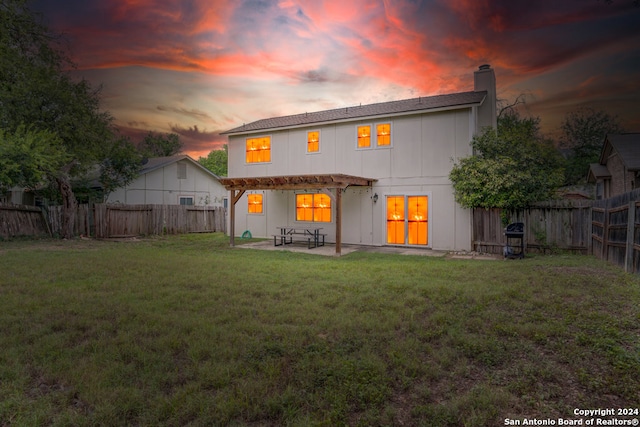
[
  {"x": 372, "y": 137},
  {"x": 193, "y": 200},
  {"x": 429, "y": 195},
  {"x": 245, "y": 150},
  {"x": 319, "y": 141},
  {"x": 295, "y": 209},
  {"x": 384, "y": 147},
  {"x": 264, "y": 203}
]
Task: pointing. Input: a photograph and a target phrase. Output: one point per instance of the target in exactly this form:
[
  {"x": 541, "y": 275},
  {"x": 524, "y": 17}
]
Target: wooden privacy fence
[
  {"x": 547, "y": 226},
  {"x": 108, "y": 221},
  {"x": 608, "y": 229},
  {"x": 19, "y": 220},
  {"x": 615, "y": 235},
  {"x": 136, "y": 220}
]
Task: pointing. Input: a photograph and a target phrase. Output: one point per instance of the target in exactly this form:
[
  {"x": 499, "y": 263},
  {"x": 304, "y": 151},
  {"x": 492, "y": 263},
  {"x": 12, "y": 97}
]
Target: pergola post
[
  {"x": 232, "y": 215},
  {"x": 338, "y": 221}
]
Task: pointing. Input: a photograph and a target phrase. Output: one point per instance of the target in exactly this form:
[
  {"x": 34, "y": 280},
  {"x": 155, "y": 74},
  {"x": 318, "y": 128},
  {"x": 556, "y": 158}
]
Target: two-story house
[{"x": 373, "y": 174}]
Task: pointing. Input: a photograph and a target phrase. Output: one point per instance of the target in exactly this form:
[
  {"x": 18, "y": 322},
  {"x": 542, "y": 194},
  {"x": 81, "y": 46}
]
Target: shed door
[{"x": 408, "y": 220}]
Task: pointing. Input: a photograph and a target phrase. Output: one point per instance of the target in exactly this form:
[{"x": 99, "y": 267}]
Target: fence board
[
  {"x": 111, "y": 220},
  {"x": 20, "y": 220}
]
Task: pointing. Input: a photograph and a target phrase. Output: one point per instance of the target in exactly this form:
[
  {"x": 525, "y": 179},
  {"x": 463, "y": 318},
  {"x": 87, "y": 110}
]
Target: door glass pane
[
  {"x": 418, "y": 220},
  {"x": 304, "y": 207},
  {"x": 395, "y": 219}
]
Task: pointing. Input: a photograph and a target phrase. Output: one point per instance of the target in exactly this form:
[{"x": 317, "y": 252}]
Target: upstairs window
[
  {"x": 259, "y": 150},
  {"x": 313, "y": 141},
  {"x": 364, "y": 136},
  {"x": 313, "y": 207},
  {"x": 255, "y": 203},
  {"x": 383, "y": 134}
]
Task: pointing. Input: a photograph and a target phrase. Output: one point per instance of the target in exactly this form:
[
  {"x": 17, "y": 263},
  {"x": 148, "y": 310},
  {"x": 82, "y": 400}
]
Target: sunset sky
[{"x": 199, "y": 67}]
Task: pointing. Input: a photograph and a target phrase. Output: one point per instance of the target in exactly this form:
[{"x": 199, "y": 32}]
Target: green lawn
[{"x": 186, "y": 331}]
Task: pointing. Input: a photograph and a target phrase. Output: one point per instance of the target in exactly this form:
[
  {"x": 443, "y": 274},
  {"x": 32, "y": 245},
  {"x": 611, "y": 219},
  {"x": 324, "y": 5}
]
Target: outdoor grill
[{"x": 514, "y": 233}]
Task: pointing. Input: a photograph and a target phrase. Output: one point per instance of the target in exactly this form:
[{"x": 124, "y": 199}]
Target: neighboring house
[
  {"x": 17, "y": 196},
  {"x": 618, "y": 170},
  {"x": 175, "y": 180},
  {"x": 370, "y": 175}
]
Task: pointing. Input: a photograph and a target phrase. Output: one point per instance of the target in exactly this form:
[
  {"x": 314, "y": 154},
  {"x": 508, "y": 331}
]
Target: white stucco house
[
  {"x": 175, "y": 180},
  {"x": 369, "y": 175}
]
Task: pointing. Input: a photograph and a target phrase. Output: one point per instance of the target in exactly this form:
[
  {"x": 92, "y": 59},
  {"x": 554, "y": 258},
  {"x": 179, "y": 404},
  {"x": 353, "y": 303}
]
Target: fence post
[
  {"x": 631, "y": 223},
  {"x": 605, "y": 235}
]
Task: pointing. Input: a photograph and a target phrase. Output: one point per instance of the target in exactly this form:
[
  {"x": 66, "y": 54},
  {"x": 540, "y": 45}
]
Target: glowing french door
[{"x": 408, "y": 220}]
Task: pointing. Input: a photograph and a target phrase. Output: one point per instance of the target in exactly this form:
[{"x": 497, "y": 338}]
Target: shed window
[
  {"x": 259, "y": 149},
  {"x": 186, "y": 201},
  {"x": 182, "y": 171}
]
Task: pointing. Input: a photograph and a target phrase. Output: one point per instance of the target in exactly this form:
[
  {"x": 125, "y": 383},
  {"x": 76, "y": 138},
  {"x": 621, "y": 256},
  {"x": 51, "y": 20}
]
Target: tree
[
  {"x": 160, "y": 145},
  {"x": 27, "y": 157},
  {"x": 583, "y": 133},
  {"x": 512, "y": 167},
  {"x": 216, "y": 161},
  {"x": 63, "y": 114}
]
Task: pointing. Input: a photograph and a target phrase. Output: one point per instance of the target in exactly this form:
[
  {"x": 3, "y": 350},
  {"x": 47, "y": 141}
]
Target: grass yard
[{"x": 184, "y": 330}]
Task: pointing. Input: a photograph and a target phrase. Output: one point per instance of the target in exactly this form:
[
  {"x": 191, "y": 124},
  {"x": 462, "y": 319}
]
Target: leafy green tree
[
  {"x": 511, "y": 168},
  {"x": 28, "y": 157},
  {"x": 583, "y": 133},
  {"x": 216, "y": 161},
  {"x": 36, "y": 91},
  {"x": 161, "y": 145}
]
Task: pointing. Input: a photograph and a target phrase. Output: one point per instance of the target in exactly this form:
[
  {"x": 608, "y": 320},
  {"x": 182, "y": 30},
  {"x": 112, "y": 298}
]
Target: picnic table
[{"x": 287, "y": 235}]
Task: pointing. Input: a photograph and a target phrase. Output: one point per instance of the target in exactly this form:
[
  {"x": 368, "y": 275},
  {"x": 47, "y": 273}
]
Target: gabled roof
[
  {"x": 154, "y": 163},
  {"x": 413, "y": 105},
  {"x": 627, "y": 145},
  {"x": 597, "y": 171}
]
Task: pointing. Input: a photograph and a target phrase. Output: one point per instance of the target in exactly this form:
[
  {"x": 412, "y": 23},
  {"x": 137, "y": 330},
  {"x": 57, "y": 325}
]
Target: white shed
[{"x": 175, "y": 180}]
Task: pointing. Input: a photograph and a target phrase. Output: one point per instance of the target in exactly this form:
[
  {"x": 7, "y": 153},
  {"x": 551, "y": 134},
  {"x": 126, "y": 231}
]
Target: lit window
[
  {"x": 255, "y": 203},
  {"x": 313, "y": 141},
  {"x": 407, "y": 220},
  {"x": 395, "y": 220},
  {"x": 417, "y": 220},
  {"x": 383, "y": 133},
  {"x": 313, "y": 207},
  {"x": 259, "y": 149},
  {"x": 364, "y": 136}
]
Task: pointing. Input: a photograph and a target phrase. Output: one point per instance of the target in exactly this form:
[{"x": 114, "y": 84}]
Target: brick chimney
[{"x": 485, "y": 79}]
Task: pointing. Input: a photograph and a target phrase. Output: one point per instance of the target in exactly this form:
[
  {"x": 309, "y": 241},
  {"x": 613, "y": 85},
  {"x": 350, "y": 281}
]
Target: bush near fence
[{"x": 111, "y": 221}]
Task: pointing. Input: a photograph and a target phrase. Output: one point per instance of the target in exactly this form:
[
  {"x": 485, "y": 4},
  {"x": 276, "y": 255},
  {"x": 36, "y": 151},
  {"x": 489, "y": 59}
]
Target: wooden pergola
[{"x": 325, "y": 183}]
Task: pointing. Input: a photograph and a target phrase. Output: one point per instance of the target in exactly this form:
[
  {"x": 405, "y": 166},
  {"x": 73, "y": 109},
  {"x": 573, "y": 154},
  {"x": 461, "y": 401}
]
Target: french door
[{"x": 408, "y": 220}]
